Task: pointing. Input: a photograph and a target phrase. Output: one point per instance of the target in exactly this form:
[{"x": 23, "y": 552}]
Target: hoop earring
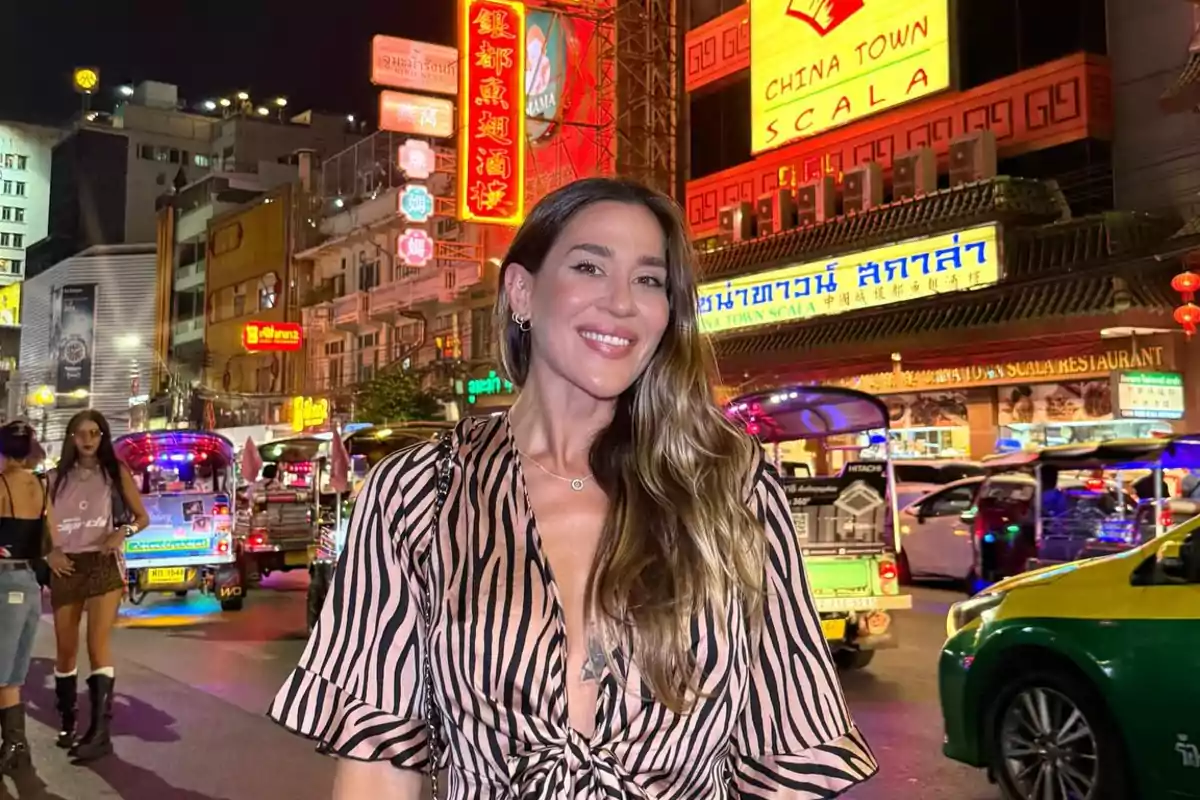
[{"x": 522, "y": 322}]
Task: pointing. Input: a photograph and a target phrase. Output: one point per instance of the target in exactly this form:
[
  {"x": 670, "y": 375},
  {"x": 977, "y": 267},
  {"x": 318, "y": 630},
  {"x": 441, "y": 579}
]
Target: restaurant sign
[
  {"x": 491, "y": 143},
  {"x": 408, "y": 64},
  {"x": 309, "y": 412},
  {"x": 951, "y": 262},
  {"x": 1006, "y": 373},
  {"x": 416, "y": 114},
  {"x": 1149, "y": 395},
  {"x": 818, "y": 65},
  {"x": 258, "y": 337}
]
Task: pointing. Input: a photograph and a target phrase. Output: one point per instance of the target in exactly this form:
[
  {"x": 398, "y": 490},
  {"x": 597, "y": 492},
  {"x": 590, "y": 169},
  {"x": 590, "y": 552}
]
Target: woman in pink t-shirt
[{"x": 96, "y": 507}]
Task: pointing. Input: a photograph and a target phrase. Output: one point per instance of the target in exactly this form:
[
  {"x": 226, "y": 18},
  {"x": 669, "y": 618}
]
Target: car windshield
[{"x": 936, "y": 473}]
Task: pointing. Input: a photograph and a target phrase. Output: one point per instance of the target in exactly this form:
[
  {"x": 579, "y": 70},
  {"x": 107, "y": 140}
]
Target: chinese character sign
[
  {"x": 417, "y": 159},
  {"x": 491, "y": 147},
  {"x": 415, "y": 247},
  {"x": 951, "y": 262},
  {"x": 416, "y": 203}
]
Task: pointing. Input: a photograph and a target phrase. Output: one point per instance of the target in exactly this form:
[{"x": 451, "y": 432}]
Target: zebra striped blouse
[{"x": 771, "y": 721}]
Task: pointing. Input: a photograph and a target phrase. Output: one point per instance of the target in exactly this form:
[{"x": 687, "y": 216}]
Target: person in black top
[{"x": 24, "y": 525}]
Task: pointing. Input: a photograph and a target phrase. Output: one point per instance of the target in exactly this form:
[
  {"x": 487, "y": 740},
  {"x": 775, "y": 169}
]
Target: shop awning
[
  {"x": 1011, "y": 200},
  {"x": 1091, "y": 294}
]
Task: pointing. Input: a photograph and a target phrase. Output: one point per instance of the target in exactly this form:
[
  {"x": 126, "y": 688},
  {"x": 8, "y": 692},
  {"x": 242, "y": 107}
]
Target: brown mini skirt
[{"x": 95, "y": 574}]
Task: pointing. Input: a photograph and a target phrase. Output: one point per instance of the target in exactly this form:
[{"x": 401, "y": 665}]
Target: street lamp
[{"x": 42, "y": 398}]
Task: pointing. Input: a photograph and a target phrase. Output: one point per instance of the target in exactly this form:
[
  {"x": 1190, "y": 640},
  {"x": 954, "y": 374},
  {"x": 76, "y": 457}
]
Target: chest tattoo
[{"x": 593, "y": 666}]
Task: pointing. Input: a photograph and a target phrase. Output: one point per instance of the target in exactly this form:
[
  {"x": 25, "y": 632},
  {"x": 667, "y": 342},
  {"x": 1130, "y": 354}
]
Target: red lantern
[
  {"x": 1188, "y": 315},
  {"x": 1187, "y": 284}
]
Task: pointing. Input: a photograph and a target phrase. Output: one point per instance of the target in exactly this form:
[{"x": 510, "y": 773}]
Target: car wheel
[
  {"x": 853, "y": 659},
  {"x": 1053, "y": 739},
  {"x": 233, "y": 603},
  {"x": 904, "y": 572}
]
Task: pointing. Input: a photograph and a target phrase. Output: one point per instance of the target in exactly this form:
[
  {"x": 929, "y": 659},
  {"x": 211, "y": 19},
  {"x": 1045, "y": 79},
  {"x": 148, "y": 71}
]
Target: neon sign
[
  {"x": 950, "y": 262},
  {"x": 413, "y": 113},
  {"x": 309, "y": 412},
  {"x": 417, "y": 159},
  {"x": 258, "y": 337},
  {"x": 819, "y": 65},
  {"x": 416, "y": 203},
  {"x": 491, "y": 146},
  {"x": 415, "y": 247},
  {"x": 493, "y": 384}
]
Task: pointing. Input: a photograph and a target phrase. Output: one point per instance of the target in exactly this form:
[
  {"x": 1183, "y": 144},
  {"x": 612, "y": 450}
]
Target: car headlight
[{"x": 964, "y": 613}]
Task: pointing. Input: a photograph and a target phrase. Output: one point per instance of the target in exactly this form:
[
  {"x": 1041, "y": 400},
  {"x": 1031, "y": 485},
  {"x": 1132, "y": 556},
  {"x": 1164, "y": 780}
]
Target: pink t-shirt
[{"x": 83, "y": 511}]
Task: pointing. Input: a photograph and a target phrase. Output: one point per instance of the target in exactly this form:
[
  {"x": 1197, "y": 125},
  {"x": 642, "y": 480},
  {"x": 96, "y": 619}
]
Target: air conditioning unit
[
  {"x": 973, "y": 157},
  {"x": 862, "y": 188},
  {"x": 816, "y": 201},
  {"x": 776, "y": 211},
  {"x": 737, "y": 221},
  {"x": 914, "y": 174}
]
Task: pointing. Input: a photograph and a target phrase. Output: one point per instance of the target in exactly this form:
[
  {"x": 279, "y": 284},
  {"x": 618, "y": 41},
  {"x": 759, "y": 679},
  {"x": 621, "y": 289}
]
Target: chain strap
[{"x": 432, "y": 717}]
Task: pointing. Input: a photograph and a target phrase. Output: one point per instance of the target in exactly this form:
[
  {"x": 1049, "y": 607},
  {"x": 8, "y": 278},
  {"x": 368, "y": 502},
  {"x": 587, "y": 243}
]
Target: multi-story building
[
  {"x": 365, "y": 310},
  {"x": 847, "y": 186},
  {"x": 250, "y": 156},
  {"x": 86, "y": 339},
  {"x": 24, "y": 202}
]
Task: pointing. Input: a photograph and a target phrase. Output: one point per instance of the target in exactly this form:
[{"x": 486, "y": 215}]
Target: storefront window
[{"x": 1049, "y": 414}]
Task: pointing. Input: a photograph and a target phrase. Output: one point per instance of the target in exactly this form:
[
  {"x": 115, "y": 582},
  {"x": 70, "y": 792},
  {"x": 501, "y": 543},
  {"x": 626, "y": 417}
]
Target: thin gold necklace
[{"x": 575, "y": 483}]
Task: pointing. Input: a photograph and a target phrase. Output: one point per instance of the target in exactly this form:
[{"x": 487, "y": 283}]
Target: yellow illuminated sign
[
  {"x": 951, "y": 262},
  {"x": 10, "y": 304},
  {"x": 818, "y": 64},
  {"x": 309, "y": 412},
  {"x": 86, "y": 79}
]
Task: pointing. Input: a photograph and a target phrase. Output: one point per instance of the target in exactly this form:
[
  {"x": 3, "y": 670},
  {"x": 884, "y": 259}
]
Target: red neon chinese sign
[
  {"x": 260, "y": 337},
  {"x": 491, "y": 144}
]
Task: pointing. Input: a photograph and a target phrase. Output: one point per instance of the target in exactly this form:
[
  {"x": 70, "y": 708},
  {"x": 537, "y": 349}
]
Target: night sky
[{"x": 319, "y": 59}]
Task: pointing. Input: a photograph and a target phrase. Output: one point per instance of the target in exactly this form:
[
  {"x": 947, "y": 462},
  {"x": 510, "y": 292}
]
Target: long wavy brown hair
[{"x": 680, "y": 538}]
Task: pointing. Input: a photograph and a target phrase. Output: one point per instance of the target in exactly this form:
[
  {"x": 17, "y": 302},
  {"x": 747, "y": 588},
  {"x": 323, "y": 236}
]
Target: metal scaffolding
[
  {"x": 635, "y": 46},
  {"x": 646, "y": 54}
]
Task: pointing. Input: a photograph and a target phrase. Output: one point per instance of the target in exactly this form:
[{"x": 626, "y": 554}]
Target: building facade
[
  {"x": 88, "y": 338},
  {"x": 888, "y": 250},
  {"x": 24, "y": 204},
  {"x": 365, "y": 309}
]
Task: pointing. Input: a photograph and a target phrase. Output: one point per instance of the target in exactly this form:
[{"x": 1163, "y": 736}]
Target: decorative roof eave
[
  {"x": 1140, "y": 288},
  {"x": 1020, "y": 201}
]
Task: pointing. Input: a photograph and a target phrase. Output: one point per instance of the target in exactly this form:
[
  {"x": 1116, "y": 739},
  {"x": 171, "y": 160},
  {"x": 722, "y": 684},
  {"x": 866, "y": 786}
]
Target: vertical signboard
[
  {"x": 491, "y": 146},
  {"x": 72, "y": 342}
]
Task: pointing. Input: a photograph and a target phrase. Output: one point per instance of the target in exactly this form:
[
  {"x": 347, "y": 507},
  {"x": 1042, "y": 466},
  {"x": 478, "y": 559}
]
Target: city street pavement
[{"x": 193, "y": 683}]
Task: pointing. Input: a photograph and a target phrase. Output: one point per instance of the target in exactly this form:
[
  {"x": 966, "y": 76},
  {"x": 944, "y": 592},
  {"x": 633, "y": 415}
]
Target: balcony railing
[
  {"x": 369, "y": 166},
  {"x": 317, "y": 319},
  {"x": 351, "y": 312}
]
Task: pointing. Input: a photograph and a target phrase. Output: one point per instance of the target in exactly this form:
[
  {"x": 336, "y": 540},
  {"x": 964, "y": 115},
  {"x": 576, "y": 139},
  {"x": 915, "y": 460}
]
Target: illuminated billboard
[
  {"x": 819, "y": 64},
  {"x": 415, "y": 114},
  {"x": 10, "y": 305},
  {"x": 491, "y": 144},
  {"x": 260, "y": 337},
  {"x": 420, "y": 66},
  {"x": 934, "y": 265}
]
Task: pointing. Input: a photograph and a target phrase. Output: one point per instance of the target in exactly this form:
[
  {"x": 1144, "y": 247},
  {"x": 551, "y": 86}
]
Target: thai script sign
[
  {"x": 408, "y": 64},
  {"x": 951, "y": 262},
  {"x": 309, "y": 412},
  {"x": 491, "y": 146},
  {"x": 268, "y": 336},
  {"x": 818, "y": 64}
]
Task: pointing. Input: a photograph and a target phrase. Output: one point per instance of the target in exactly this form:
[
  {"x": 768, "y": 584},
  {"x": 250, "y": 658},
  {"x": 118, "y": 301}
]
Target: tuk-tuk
[
  {"x": 1059, "y": 504},
  {"x": 186, "y": 479},
  {"x": 366, "y": 448},
  {"x": 843, "y": 520},
  {"x": 277, "y": 523}
]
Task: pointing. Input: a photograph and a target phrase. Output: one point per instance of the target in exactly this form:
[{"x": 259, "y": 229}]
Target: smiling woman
[{"x": 606, "y": 596}]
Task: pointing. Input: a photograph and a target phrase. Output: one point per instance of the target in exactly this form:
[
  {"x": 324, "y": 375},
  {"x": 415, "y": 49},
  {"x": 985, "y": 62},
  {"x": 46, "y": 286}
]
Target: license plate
[
  {"x": 833, "y": 628},
  {"x": 296, "y": 558},
  {"x": 165, "y": 576}
]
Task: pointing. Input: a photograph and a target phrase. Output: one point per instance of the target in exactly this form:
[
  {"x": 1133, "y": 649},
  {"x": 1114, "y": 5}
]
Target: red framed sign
[
  {"x": 260, "y": 337},
  {"x": 491, "y": 136}
]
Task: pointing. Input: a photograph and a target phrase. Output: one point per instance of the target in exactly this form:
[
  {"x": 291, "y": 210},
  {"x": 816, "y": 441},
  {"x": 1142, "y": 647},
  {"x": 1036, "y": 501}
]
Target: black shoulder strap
[{"x": 12, "y": 509}]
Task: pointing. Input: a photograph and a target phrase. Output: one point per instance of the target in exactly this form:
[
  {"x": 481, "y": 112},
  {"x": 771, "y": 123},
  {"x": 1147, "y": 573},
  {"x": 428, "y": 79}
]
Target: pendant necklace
[{"x": 575, "y": 483}]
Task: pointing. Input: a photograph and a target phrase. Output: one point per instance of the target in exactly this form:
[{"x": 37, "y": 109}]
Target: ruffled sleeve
[
  {"x": 795, "y": 738},
  {"x": 359, "y": 686}
]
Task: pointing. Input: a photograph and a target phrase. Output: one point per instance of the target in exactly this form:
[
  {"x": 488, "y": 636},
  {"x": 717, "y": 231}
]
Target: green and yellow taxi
[{"x": 1082, "y": 681}]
